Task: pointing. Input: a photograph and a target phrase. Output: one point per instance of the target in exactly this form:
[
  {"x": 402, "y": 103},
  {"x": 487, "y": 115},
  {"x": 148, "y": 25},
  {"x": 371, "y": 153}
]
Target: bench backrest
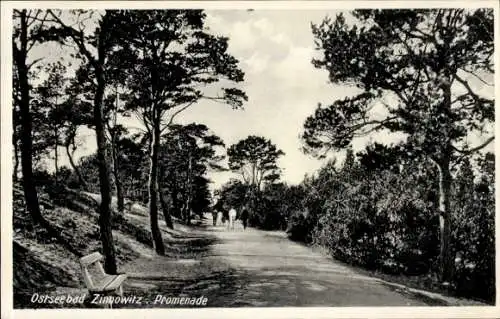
[{"x": 87, "y": 262}]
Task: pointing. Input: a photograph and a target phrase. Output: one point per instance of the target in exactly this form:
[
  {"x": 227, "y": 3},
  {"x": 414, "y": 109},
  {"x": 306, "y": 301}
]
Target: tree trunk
[
  {"x": 55, "y": 151},
  {"x": 166, "y": 211},
  {"x": 187, "y": 212},
  {"x": 164, "y": 206},
  {"x": 30, "y": 192},
  {"x": 104, "y": 174},
  {"x": 445, "y": 258},
  {"x": 116, "y": 164},
  {"x": 175, "y": 203},
  {"x": 75, "y": 168},
  {"x": 118, "y": 183},
  {"x": 130, "y": 188},
  {"x": 119, "y": 193},
  {"x": 254, "y": 179},
  {"x": 153, "y": 189},
  {"x": 56, "y": 144},
  {"x": 16, "y": 159}
]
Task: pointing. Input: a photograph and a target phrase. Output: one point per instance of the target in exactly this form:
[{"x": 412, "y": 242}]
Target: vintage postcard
[{"x": 255, "y": 158}]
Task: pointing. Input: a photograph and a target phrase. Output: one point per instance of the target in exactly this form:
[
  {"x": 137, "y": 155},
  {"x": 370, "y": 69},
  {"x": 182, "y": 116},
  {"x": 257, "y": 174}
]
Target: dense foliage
[
  {"x": 255, "y": 160},
  {"x": 268, "y": 208},
  {"x": 385, "y": 218},
  {"x": 420, "y": 75},
  {"x": 187, "y": 154}
]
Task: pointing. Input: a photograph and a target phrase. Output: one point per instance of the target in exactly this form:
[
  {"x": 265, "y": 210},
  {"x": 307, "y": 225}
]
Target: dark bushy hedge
[{"x": 387, "y": 219}]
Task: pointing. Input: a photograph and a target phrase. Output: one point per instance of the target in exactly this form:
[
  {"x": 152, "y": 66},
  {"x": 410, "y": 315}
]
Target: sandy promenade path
[{"x": 254, "y": 268}]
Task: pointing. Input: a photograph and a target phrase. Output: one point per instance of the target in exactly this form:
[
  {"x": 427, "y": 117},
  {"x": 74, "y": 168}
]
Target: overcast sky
[{"x": 275, "y": 49}]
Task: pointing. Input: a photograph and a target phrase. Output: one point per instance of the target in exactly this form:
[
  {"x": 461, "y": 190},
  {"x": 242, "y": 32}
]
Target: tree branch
[
  {"x": 79, "y": 41},
  {"x": 29, "y": 66},
  {"x": 474, "y": 149},
  {"x": 477, "y": 77},
  {"x": 176, "y": 113},
  {"x": 469, "y": 89},
  {"x": 380, "y": 124},
  {"x": 217, "y": 99}
]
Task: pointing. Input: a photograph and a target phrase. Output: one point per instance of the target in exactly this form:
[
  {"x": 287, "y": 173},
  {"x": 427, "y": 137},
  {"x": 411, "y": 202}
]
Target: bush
[
  {"x": 298, "y": 228},
  {"x": 42, "y": 178},
  {"x": 387, "y": 219},
  {"x": 269, "y": 208},
  {"x": 379, "y": 223},
  {"x": 473, "y": 238}
]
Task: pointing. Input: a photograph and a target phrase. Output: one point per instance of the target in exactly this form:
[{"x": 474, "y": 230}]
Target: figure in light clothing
[
  {"x": 232, "y": 217},
  {"x": 219, "y": 218}
]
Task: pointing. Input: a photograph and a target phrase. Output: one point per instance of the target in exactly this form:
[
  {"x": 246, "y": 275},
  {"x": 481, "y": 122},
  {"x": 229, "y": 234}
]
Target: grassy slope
[{"x": 42, "y": 264}]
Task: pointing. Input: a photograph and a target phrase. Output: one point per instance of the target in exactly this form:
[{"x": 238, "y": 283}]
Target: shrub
[
  {"x": 298, "y": 229},
  {"x": 387, "y": 219}
]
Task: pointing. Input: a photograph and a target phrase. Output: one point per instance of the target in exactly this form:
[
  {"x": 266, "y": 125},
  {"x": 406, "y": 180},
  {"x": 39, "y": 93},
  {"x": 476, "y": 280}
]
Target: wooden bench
[{"x": 96, "y": 279}]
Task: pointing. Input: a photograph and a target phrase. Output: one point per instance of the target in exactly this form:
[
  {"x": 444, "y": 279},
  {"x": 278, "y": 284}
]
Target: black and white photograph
[{"x": 201, "y": 156}]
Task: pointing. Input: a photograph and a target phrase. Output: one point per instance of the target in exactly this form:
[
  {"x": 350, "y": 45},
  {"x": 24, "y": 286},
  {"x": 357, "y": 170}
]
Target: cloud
[
  {"x": 296, "y": 67},
  {"x": 269, "y": 31},
  {"x": 257, "y": 63},
  {"x": 275, "y": 49},
  {"x": 281, "y": 82},
  {"x": 248, "y": 35},
  {"x": 263, "y": 25}
]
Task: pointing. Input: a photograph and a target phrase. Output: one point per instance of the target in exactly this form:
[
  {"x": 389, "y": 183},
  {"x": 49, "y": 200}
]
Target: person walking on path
[
  {"x": 214, "y": 217},
  {"x": 225, "y": 217},
  {"x": 244, "y": 217},
  {"x": 232, "y": 217},
  {"x": 220, "y": 220}
]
